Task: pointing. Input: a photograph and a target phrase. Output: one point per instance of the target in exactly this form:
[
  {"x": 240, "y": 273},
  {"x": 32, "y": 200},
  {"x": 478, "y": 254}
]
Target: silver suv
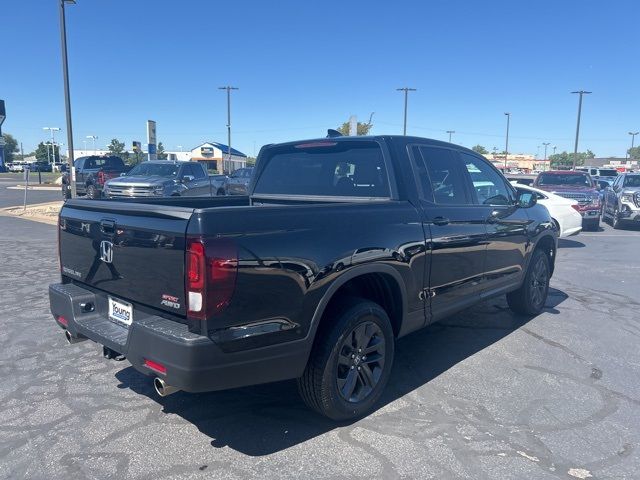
[{"x": 622, "y": 200}]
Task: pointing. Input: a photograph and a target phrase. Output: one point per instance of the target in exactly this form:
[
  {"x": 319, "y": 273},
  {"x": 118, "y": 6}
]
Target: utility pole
[
  {"x": 228, "y": 88},
  {"x": 544, "y": 165},
  {"x": 506, "y": 145},
  {"x": 450, "y": 132},
  {"x": 575, "y": 147},
  {"x": 406, "y": 91},
  {"x": 633, "y": 137},
  {"x": 67, "y": 97}
]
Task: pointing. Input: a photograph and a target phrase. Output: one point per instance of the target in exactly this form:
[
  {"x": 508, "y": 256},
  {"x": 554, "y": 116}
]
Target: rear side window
[
  {"x": 325, "y": 168},
  {"x": 442, "y": 177}
]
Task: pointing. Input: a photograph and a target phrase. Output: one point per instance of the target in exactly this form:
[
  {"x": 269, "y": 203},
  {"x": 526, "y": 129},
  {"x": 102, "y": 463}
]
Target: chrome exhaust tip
[
  {"x": 71, "y": 339},
  {"x": 162, "y": 388}
]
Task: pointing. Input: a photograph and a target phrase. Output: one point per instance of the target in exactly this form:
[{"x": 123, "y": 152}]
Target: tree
[
  {"x": 116, "y": 147},
  {"x": 634, "y": 153},
  {"x": 362, "y": 128},
  {"x": 480, "y": 149},
  {"x": 44, "y": 153},
  {"x": 161, "y": 154},
  {"x": 564, "y": 160},
  {"x": 10, "y": 147},
  {"x": 251, "y": 161}
]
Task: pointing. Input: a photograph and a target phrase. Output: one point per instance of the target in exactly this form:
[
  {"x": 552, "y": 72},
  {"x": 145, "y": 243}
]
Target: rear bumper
[{"x": 193, "y": 362}]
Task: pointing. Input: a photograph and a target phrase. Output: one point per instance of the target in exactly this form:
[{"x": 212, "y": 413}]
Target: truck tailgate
[{"x": 134, "y": 252}]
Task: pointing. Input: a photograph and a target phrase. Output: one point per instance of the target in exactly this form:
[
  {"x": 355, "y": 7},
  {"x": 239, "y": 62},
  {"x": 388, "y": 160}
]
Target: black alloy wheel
[{"x": 360, "y": 363}]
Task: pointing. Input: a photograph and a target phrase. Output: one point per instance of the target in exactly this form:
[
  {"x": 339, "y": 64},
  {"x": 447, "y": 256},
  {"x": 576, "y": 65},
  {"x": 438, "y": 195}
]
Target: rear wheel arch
[
  {"x": 547, "y": 245},
  {"x": 389, "y": 291}
]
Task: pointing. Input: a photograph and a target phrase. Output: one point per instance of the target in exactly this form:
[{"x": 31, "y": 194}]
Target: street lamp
[
  {"x": 450, "y": 132},
  {"x": 67, "y": 97},
  {"x": 575, "y": 147},
  {"x": 52, "y": 130},
  {"x": 544, "y": 165},
  {"x": 506, "y": 146},
  {"x": 633, "y": 137},
  {"x": 406, "y": 91},
  {"x": 93, "y": 138},
  {"x": 180, "y": 147},
  {"x": 228, "y": 88}
]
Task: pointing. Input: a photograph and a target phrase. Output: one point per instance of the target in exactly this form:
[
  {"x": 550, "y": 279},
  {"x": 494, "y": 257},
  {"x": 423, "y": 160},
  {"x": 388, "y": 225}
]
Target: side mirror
[
  {"x": 187, "y": 178},
  {"x": 526, "y": 200},
  {"x": 123, "y": 174}
]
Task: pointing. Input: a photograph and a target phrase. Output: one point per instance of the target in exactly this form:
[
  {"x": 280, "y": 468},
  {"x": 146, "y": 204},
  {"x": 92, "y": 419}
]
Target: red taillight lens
[
  {"x": 211, "y": 269},
  {"x": 101, "y": 178},
  {"x": 155, "y": 366},
  {"x": 63, "y": 321},
  {"x": 576, "y": 207}
]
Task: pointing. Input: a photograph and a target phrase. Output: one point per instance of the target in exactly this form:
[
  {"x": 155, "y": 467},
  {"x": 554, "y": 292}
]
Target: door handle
[{"x": 441, "y": 221}]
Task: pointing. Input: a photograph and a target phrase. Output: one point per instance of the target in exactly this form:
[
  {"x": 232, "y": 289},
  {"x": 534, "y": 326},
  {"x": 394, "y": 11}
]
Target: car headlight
[
  {"x": 595, "y": 200},
  {"x": 627, "y": 197}
]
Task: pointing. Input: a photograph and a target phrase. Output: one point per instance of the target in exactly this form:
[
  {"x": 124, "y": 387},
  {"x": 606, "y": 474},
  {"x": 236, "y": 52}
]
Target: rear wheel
[
  {"x": 615, "y": 219},
  {"x": 530, "y": 298},
  {"x": 92, "y": 192},
  {"x": 350, "y": 362},
  {"x": 591, "y": 225}
]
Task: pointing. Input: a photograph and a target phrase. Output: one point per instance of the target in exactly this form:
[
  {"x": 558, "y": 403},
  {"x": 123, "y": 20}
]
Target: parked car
[
  {"x": 39, "y": 167},
  {"x": 237, "y": 183},
  {"x": 577, "y": 186},
  {"x": 564, "y": 211},
  {"x": 343, "y": 246},
  {"x": 522, "y": 179},
  {"x": 17, "y": 166},
  {"x": 91, "y": 174},
  {"x": 599, "y": 172},
  {"x": 622, "y": 200},
  {"x": 163, "y": 178}
]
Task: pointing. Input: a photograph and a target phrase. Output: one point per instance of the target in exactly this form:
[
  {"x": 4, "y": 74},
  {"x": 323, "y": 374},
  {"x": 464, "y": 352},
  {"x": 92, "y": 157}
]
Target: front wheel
[
  {"x": 615, "y": 219},
  {"x": 350, "y": 362},
  {"x": 530, "y": 298}
]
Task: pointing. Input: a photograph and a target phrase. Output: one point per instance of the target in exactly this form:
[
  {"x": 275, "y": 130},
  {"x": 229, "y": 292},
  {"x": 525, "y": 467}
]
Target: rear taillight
[
  {"x": 155, "y": 366},
  {"x": 211, "y": 268},
  {"x": 101, "y": 178}
]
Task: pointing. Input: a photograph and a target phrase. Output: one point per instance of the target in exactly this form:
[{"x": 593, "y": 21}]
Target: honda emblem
[{"x": 106, "y": 251}]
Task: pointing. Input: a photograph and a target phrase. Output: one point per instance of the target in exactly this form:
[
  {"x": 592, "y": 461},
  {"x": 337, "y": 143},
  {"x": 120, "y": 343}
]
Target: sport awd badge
[{"x": 170, "y": 301}]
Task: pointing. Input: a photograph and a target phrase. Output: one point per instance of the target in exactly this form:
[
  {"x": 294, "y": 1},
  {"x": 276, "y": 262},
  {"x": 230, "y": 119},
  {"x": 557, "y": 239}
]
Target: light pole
[
  {"x": 406, "y": 91},
  {"x": 93, "y": 139},
  {"x": 544, "y": 165},
  {"x": 180, "y": 147},
  {"x": 67, "y": 98},
  {"x": 506, "y": 144},
  {"x": 450, "y": 132},
  {"x": 52, "y": 130},
  {"x": 228, "y": 88},
  {"x": 575, "y": 147},
  {"x": 633, "y": 137}
]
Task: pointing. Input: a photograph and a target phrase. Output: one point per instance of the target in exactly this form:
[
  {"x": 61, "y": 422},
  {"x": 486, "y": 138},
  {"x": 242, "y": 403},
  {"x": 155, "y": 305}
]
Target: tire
[
  {"x": 340, "y": 382},
  {"x": 66, "y": 193},
  {"x": 616, "y": 223},
  {"x": 591, "y": 225},
  {"x": 530, "y": 298},
  {"x": 92, "y": 192}
]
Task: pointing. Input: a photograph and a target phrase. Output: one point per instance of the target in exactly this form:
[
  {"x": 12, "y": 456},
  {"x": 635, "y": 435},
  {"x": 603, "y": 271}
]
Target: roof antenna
[{"x": 331, "y": 133}]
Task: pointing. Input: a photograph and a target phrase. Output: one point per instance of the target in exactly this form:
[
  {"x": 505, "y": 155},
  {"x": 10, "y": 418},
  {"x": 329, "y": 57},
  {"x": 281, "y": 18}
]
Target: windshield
[
  {"x": 155, "y": 170},
  {"x": 608, "y": 173},
  {"x": 632, "y": 181},
  {"x": 564, "y": 179},
  {"x": 326, "y": 168}
]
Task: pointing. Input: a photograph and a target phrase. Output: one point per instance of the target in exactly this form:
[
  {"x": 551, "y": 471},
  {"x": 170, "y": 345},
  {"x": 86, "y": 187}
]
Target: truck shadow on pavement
[{"x": 264, "y": 419}]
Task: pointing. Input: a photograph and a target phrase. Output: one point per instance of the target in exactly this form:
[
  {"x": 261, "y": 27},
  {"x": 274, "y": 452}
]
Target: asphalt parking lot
[{"x": 483, "y": 395}]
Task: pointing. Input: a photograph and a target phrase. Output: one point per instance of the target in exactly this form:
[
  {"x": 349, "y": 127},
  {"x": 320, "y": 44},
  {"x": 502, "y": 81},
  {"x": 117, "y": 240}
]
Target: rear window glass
[
  {"x": 325, "y": 168},
  {"x": 608, "y": 173},
  {"x": 564, "y": 179}
]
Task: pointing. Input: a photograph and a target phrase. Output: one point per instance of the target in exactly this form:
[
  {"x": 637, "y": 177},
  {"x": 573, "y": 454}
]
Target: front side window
[
  {"x": 489, "y": 186},
  {"x": 632, "y": 181},
  {"x": 441, "y": 176}
]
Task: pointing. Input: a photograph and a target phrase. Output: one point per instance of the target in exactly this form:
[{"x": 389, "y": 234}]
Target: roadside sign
[{"x": 151, "y": 139}]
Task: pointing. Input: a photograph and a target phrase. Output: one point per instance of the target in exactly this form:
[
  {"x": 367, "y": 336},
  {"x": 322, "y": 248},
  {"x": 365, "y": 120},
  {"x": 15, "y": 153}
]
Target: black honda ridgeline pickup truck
[{"x": 342, "y": 246}]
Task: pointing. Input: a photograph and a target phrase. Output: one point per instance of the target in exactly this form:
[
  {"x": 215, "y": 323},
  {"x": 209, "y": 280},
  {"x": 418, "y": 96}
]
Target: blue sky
[{"x": 305, "y": 66}]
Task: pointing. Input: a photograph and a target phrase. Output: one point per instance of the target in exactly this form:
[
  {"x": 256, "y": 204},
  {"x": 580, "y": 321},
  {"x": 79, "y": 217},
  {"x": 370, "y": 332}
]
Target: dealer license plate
[{"x": 120, "y": 312}]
